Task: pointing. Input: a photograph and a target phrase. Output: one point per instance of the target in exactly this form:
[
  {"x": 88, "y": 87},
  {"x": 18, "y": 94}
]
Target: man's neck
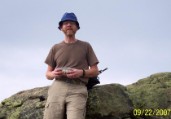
[{"x": 70, "y": 39}]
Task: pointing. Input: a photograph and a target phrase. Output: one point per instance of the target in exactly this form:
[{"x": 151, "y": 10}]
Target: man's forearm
[
  {"x": 91, "y": 73},
  {"x": 49, "y": 75}
]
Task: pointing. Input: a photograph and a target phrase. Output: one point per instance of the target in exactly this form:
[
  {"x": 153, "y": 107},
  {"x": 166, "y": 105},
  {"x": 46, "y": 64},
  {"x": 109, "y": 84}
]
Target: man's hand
[
  {"x": 57, "y": 73},
  {"x": 53, "y": 73},
  {"x": 74, "y": 73}
]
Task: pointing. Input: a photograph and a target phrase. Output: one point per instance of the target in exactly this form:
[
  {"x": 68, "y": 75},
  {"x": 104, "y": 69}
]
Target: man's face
[{"x": 69, "y": 28}]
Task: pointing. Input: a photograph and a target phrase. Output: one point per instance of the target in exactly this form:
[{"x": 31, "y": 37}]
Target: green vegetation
[{"x": 152, "y": 92}]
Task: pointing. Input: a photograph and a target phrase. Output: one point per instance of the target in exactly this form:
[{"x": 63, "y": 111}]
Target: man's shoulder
[
  {"x": 58, "y": 44},
  {"x": 84, "y": 42}
]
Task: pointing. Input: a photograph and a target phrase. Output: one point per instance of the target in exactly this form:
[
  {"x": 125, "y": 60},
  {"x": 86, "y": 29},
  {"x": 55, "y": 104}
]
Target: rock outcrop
[
  {"x": 27, "y": 104},
  {"x": 107, "y": 101},
  {"x": 149, "y": 98}
]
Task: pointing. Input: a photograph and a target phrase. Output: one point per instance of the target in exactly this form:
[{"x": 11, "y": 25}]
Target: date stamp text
[{"x": 151, "y": 112}]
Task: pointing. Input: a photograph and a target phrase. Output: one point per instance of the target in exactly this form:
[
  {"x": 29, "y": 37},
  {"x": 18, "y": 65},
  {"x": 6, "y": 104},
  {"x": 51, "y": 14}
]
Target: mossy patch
[{"x": 151, "y": 92}]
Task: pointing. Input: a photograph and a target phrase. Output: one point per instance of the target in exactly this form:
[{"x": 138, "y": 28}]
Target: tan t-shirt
[{"x": 78, "y": 55}]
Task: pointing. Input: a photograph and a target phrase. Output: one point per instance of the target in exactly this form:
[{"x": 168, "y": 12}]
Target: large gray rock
[
  {"x": 104, "y": 102},
  {"x": 109, "y": 102},
  {"x": 27, "y": 104}
]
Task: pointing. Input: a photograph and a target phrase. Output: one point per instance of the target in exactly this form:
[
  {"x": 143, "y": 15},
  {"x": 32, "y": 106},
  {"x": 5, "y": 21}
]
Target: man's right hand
[
  {"x": 52, "y": 73},
  {"x": 57, "y": 73}
]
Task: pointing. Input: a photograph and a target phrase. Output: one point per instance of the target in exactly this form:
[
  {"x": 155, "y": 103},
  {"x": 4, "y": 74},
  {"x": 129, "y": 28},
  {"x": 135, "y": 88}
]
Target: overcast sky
[{"x": 130, "y": 37}]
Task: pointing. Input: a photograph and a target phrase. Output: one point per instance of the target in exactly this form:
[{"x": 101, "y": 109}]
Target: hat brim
[{"x": 61, "y": 22}]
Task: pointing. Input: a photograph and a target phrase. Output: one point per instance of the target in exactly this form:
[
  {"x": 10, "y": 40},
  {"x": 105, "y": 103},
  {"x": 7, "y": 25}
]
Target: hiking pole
[{"x": 100, "y": 71}]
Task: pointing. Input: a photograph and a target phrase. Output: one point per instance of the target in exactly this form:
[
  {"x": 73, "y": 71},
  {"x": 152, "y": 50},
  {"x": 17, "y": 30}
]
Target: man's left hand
[{"x": 74, "y": 73}]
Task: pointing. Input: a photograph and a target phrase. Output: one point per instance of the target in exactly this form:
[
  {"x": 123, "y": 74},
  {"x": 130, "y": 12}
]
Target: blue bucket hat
[{"x": 69, "y": 17}]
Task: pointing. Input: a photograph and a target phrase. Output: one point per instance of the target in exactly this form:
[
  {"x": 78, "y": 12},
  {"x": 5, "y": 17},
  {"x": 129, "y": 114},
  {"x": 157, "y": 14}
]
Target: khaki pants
[{"x": 66, "y": 98}]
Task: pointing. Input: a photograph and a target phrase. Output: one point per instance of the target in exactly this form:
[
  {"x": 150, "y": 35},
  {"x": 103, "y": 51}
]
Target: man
[{"x": 70, "y": 62}]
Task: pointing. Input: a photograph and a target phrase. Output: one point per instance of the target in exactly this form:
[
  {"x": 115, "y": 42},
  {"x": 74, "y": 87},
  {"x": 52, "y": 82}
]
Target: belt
[{"x": 72, "y": 81}]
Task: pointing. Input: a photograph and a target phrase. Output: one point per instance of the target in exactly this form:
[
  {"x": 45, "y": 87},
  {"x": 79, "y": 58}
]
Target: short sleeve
[
  {"x": 91, "y": 56},
  {"x": 50, "y": 58}
]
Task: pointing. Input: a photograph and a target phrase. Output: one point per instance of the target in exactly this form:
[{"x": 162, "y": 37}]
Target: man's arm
[
  {"x": 92, "y": 72},
  {"x": 77, "y": 73}
]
